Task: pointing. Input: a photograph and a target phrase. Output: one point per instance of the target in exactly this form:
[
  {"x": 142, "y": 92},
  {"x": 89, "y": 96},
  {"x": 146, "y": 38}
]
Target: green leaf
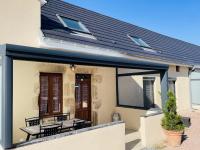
[{"x": 171, "y": 120}]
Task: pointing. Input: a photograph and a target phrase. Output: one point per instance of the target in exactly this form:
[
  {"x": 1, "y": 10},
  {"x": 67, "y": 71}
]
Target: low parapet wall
[
  {"x": 131, "y": 116},
  {"x": 103, "y": 137},
  {"x": 151, "y": 130}
]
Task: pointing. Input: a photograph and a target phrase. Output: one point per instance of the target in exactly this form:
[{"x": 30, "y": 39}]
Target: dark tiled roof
[{"x": 107, "y": 30}]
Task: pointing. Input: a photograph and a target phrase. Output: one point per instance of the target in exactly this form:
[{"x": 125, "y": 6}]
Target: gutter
[
  {"x": 74, "y": 57},
  {"x": 195, "y": 68},
  {"x": 43, "y": 2}
]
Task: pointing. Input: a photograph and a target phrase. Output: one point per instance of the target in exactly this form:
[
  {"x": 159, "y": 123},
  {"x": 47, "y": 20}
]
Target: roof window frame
[
  {"x": 86, "y": 31},
  {"x": 137, "y": 43}
]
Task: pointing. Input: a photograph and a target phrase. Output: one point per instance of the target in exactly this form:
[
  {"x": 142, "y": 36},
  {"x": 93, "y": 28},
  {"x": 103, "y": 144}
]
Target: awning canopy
[
  {"x": 15, "y": 52},
  {"x": 63, "y": 56}
]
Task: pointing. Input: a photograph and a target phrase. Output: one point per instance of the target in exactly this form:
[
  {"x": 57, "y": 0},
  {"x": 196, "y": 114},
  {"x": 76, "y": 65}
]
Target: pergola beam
[{"x": 138, "y": 73}]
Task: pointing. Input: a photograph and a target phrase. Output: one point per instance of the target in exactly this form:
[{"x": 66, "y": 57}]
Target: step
[
  {"x": 132, "y": 135},
  {"x": 134, "y": 145}
]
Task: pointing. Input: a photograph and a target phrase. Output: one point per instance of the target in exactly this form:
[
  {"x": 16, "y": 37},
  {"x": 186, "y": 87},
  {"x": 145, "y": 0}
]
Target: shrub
[{"x": 171, "y": 120}]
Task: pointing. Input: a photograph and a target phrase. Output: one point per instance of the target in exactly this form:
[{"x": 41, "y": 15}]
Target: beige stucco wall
[
  {"x": 131, "y": 116},
  {"x": 151, "y": 130},
  {"x": 20, "y": 22},
  {"x": 182, "y": 87},
  {"x": 107, "y": 138},
  {"x": 26, "y": 91}
]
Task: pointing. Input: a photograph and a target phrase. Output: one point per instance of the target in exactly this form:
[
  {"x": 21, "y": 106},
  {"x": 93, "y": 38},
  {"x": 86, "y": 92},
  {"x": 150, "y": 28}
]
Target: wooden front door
[{"x": 83, "y": 96}]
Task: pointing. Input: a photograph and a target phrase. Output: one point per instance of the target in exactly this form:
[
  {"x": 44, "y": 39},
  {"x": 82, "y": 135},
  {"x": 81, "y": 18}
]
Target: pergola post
[
  {"x": 164, "y": 86},
  {"x": 7, "y": 102}
]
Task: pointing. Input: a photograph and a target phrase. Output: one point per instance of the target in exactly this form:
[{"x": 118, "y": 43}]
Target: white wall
[
  {"x": 106, "y": 138},
  {"x": 151, "y": 130}
]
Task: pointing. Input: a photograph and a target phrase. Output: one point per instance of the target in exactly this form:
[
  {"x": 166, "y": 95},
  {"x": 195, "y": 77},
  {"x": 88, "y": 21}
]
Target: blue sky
[{"x": 175, "y": 18}]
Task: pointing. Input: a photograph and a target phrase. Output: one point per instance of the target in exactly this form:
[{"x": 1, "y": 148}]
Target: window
[
  {"x": 73, "y": 24},
  {"x": 177, "y": 69},
  {"x": 131, "y": 94},
  {"x": 139, "y": 41},
  {"x": 171, "y": 85},
  {"x": 50, "y": 98},
  {"x": 148, "y": 91}
]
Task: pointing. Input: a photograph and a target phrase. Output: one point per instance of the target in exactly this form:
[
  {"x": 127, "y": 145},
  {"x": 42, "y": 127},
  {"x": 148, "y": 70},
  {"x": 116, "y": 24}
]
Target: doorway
[{"x": 83, "y": 96}]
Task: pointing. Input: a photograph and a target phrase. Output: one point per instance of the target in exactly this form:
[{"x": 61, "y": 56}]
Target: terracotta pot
[{"x": 174, "y": 138}]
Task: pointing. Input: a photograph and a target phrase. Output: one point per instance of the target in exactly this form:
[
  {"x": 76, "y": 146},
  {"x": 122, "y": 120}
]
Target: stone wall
[{"x": 26, "y": 88}]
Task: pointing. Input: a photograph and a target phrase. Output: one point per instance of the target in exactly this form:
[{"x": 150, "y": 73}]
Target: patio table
[{"x": 35, "y": 130}]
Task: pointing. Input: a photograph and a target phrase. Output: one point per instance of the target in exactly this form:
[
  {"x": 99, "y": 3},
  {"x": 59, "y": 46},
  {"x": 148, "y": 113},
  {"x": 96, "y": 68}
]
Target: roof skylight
[
  {"x": 73, "y": 24},
  {"x": 139, "y": 41}
]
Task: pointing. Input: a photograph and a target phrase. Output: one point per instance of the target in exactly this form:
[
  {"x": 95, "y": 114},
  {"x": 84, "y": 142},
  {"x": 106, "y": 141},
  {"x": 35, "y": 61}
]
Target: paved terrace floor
[{"x": 192, "y": 134}]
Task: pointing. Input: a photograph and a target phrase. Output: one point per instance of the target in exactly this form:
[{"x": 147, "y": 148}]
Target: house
[{"x": 59, "y": 58}]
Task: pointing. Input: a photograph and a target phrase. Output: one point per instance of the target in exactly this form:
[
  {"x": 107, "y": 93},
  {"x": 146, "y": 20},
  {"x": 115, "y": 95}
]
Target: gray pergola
[{"x": 15, "y": 52}]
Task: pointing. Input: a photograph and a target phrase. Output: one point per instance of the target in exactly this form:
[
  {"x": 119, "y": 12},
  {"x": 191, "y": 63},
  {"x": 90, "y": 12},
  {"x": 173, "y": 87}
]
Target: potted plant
[{"x": 172, "y": 123}]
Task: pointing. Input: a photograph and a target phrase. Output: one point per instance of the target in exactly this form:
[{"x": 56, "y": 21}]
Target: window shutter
[
  {"x": 78, "y": 95},
  {"x": 56, "y": 93},
  {"x": 50, "y": 99},
  {"x": 148, "y": 89},
  {"x": 44, "y": 94},
  {"x": 85, "y": 94}
]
